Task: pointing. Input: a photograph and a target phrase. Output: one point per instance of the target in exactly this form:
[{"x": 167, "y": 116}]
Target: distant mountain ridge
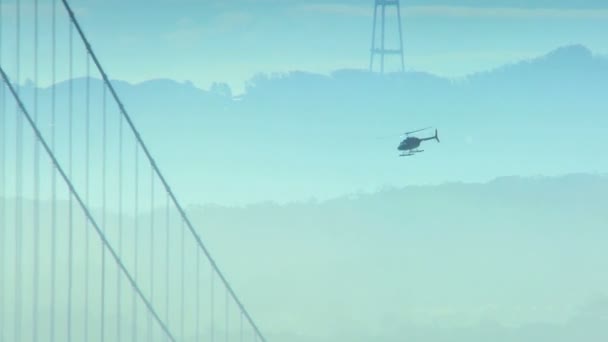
[
  {"x": 570, "y": 57},
  {"x": 321, "y": 132},
  {"x": 561, "y": 70}
]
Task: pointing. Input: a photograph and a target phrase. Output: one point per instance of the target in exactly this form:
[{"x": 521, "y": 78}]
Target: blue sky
[{"x": 207, "y": 41}]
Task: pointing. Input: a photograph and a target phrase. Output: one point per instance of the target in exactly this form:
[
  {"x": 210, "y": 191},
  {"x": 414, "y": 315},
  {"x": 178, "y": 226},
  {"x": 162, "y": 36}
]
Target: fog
[{"x": 515, "y": 259}]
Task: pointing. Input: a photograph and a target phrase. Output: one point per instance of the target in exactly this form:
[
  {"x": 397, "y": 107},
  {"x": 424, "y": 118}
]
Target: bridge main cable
[
  {"x": 157, "y": 170},
  {"x": 82, "y": 205}
]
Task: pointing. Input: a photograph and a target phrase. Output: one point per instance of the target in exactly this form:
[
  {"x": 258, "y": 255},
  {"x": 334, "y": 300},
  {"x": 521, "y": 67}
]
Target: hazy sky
[{"x": 206, "y": 41}]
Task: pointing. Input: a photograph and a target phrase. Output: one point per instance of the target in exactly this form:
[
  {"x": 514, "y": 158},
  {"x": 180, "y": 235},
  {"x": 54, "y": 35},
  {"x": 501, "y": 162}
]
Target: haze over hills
[
  {"x": 326, "y": 135},
  {"x": 517, "y": 259}
]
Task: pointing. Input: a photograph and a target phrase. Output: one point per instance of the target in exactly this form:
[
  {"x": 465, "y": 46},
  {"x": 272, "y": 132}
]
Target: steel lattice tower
[{"x": 382, "y": 51}]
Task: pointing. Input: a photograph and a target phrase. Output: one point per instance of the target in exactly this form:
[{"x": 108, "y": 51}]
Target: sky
[{"x": 209, "y": 41}]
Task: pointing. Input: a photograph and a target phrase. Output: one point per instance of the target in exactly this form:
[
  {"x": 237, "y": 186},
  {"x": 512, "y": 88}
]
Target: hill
[
  {"x": 517, "y": 259},
  {"x": 303, "y": 135}
]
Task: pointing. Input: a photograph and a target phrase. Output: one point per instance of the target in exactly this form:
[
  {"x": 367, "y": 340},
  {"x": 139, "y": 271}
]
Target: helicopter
[{"x": 410, "y": 145}]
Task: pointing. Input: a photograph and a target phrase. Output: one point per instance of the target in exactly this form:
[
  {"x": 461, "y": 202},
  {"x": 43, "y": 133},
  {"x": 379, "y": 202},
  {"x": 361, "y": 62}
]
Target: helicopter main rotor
[{"x": 416, "y": 131}]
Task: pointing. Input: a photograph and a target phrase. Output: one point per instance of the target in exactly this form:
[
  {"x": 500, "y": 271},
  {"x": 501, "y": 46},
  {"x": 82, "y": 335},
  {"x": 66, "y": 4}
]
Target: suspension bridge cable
[
  {"x": 152, "y": 254},
  {"x": 183, "y": 274},
  {"x": 87, "y": 194},
  {"x": 198, "y": 295},
  {"x": 167, "y": 268},
  {"x": 83, "y": 206},
  {"x": 227, "y": 315},
  {"x": 18, "y": 185},
  {"x": 3, "y": 192},
  {"x": 120, "y": 213},
  {"x": 135, "y": 242},
  {"x": 103, "y": 210},
  {"x": 36, "y": 185},
  {"x": 70, "y": 173},
  {"x": 181, "y": 211},
  {"x": 53, "y": 171},
  {"x": 212, "y": 305}
]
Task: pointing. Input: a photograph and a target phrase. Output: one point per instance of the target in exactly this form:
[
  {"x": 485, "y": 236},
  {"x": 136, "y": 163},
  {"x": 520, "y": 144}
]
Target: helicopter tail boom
[{"x": 436, "y": 137}]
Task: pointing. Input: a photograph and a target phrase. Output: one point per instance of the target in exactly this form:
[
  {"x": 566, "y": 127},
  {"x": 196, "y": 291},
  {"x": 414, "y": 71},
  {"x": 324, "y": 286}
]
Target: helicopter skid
[{"x": 411, "y": 153}]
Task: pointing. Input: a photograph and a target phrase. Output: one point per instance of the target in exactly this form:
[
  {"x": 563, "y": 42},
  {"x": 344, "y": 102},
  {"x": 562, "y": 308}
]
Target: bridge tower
[{"x": 382, "y": 50}]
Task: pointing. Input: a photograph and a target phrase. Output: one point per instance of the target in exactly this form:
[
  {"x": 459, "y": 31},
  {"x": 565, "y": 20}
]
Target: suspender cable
[
  {"x": 172, "y": 196},
  {"x": 84, "y": 208},
  {"x": 241, "y": 327},
  {"x": 53, "y": 171},
  {"x": 103, "y": 210},
  {"x": 198, "y": 295},
  {"x": 3, "y": 192},
  {"x": 18, "y": 187},
  {"x": 36, "y": 186},
  {"x": 152, "y": 254},
  {"x": 212, "y": 306},
  {"x": 183, "y": 271},
  {"x": 135, "y": 242},
  {"x": 87, "y": 196},
  {"x": 120, "y": 214},
  {"x": 227, "y": 315},
  {"x": 70, "y": 205},
  {"x": 167, "y": 268}
]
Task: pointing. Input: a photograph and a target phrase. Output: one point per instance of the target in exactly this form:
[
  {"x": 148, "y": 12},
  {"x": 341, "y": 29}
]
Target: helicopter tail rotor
[{"x": 436, "y": 136}]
